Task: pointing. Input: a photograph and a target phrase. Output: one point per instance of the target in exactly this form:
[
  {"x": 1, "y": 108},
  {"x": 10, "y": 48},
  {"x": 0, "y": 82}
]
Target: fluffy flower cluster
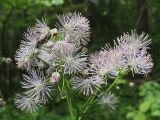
[
  {"x": 26, "y": 50},
  {"x": 37, "y": 91},
  {"x": 128, "y": 54},
  {"x": 60, "y": 51},
  {"x": 76, "y": 27}
]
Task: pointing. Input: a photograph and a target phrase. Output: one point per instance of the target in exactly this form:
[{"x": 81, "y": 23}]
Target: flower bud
[
  {"x": 8, "y": 60},
  {"x": 117, "y": 87},
  {"x": 131, "y": 84},
  {"x": 36, "y": 51},
  {"x": 3, "y": 59},
  {"x": 49, "y": 44},
  {"x": 55, "y": 77},
  {"x": 27, "y": 59},
  {"x": 24, "y": 63},
  {"x": 53, "y": 31}
]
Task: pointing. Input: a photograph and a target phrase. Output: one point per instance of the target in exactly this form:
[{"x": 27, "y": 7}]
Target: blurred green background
[{"x": 108, "y": 20}]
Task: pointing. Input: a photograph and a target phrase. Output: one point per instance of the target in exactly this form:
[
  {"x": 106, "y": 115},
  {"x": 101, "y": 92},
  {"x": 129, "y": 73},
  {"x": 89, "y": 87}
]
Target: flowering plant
[{"x": 57, "y": 58}]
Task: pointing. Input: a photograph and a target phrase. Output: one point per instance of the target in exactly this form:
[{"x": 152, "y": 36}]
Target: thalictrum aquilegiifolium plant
[{"x": 58, "y": 57}]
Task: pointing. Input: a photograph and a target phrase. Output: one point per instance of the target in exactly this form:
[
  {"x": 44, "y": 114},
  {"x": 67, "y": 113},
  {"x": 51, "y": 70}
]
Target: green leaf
[
  {"x": 140, "y": 116},
  {"x": 50, "y": 2},
  {"x": 155, "y": 113},
  {"x": 57, "y": 2},
  {"x": 144, "y": 107},
  {"x": 130, "y": 115}
]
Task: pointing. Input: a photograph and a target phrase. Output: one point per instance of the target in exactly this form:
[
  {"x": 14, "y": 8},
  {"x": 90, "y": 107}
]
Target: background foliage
[{"x": 108, "y": 20}]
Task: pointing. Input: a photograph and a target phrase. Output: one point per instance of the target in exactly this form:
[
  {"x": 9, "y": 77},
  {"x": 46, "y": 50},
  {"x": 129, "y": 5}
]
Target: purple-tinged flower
[
  {"x": 107, "y": 63},
  {"x": 23, "y": 57},
  {"x": 109, "y": 100},
  {"x": 37, "y": 85},
  {"x": 27, "y": 103},
  {"x": 75, "y": 27},
  {"x": 86, "y": 86},
  {"x": 74, "y": 61},
  {"x": 69, "y": 57},
  {"x": 26, "y": 50},
  {"x": 42, "y": 29},
  {"x": 140, "y": 63},
  {"x": 30, "y": 38},
  {"x": 130, "y": 43}
]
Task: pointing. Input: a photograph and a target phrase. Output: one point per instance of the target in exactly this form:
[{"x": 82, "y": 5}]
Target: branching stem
[
  {"x": 92, "y": 99},
  {"x": 69, "y": 101}
]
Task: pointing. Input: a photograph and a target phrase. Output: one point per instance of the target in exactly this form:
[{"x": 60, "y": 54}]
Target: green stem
[
  {"x": 89, "y": 102},
  {"x": 112, "y": 85},
  {"x": 69, "y": 101}
]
